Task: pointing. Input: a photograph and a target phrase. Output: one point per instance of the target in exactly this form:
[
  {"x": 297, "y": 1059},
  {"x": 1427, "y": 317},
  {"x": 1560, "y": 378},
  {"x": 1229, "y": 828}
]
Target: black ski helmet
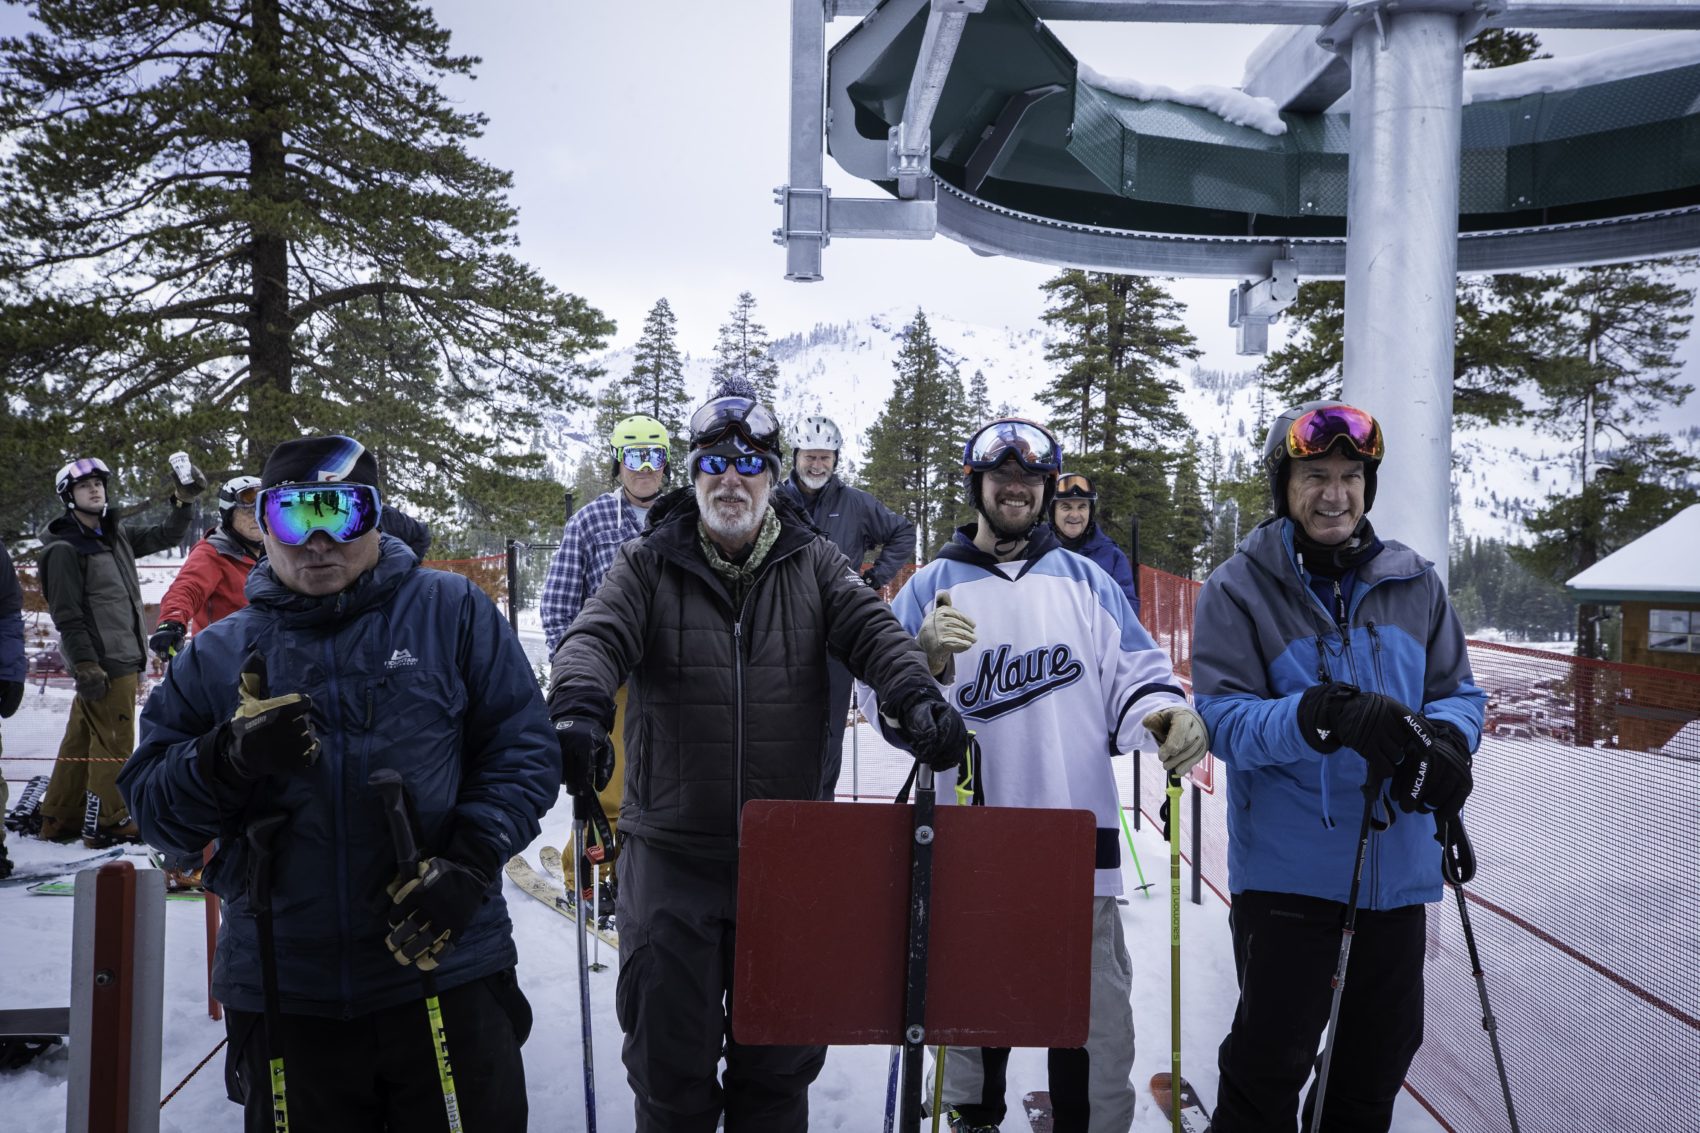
[
  {"x": 1028, "y": 443},
  {"x": 1321, "y": 427},
  {"x": 1076, "y": 486}
]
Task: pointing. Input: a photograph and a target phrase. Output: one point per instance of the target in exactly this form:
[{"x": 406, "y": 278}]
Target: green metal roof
[{"x": 1087, "y": 157}]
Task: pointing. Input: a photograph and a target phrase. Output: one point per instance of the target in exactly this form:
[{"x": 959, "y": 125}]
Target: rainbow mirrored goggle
[
  {"x": 644, "y": 458},
  {"x": 292, "y": 513},
  {"x": 1030, "y": 445},
  {"x": 1313, "y": 434}
]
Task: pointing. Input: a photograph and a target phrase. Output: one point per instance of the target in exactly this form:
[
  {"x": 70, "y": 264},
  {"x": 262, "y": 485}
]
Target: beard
[
  {"x": 1005, "y": 531},
  {"x": 813, "y": 483},
  {"x": 732, "y": 514}
]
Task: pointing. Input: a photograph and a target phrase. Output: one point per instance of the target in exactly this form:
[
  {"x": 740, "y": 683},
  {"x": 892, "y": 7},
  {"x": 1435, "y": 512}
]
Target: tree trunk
[{"x": 270, "y": 415}]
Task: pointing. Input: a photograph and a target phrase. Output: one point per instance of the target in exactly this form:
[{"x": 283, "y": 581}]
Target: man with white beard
[
  {"x": 858, "y": 525},
  {"x": 720, "y": 620}
]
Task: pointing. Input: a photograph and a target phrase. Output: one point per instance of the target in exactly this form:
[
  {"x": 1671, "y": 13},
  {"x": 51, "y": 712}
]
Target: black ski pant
[
  {"x": 838, "y": 682},
  {"x": 677, "y": 914},
  {"x": 378, "y": 1072},
  {"x": 1286, "y": 947}
]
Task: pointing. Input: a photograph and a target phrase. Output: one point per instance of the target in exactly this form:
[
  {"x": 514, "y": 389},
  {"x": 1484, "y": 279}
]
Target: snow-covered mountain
[{"x": 845, "y": 370}]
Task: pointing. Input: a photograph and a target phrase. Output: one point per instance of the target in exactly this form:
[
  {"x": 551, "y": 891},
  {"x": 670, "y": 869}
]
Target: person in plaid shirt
[{"x": 588, "y": 544}]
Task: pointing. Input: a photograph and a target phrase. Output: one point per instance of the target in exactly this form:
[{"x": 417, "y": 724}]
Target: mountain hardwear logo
[{"x": 400, "y": 659}]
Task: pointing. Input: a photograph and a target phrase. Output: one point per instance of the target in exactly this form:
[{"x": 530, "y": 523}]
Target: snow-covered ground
[{"x": 849, "y": 1095}]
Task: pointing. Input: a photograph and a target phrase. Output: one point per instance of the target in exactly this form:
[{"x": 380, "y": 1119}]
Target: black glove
[
  {"x": 184, "y": 493},
  {"x": 267, "y": 736},
  {"x": 1338, "y": 715},
  {"x": 11, "y": 695},
  {"x": 428, "y": 910},
  {"x": 936, "y": 734},
  {"x": 92, "y": 682},
  {"x": 167, "y": 639},
  {"x": 868, "y": 579},
  {"x": 1435, "y": 776},
  {"x": 587, "y": 758}
]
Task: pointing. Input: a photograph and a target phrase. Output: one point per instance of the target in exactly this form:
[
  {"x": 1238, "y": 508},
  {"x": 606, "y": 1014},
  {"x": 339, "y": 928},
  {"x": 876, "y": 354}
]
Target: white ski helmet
[
  {"x": 230, "y": 496},
  {"x": 817, "y": 433},
  {"x": 80, "y": 469}
]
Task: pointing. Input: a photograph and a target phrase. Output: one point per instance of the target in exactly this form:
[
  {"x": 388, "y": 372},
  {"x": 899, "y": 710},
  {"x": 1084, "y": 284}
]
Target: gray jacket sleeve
[{"x": 896, "y": 536}]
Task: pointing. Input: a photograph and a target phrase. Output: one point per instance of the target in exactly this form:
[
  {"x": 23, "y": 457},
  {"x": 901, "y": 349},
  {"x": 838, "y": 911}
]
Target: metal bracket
[
  {"x": 909, "y": 143},
  {"x": 1355, "y": 15},
  {"x": 1252, "y": 307}
]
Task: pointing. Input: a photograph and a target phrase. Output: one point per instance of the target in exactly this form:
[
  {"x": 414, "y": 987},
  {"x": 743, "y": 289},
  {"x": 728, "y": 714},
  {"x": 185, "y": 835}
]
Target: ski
[
  {"x": 1194, "y": 1117},
  {"x": 25, "y": 817},
  {"x": 521, "y": 873},
  {"x": 1038, "y": 1107},
  {"x": 25, "y": 875}
]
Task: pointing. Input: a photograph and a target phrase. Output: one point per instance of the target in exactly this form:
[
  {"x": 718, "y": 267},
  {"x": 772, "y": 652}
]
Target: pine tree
[
  {"x": 196, "y": 198},
  {"x": 657, "y": 383},
  {"x": 914, "y": 460},
  {"x": 1113, "y": 403},
  {"x": 742, "y": 353},
  {"x": 1190, "y": 529},
  {"x": 979, "y": 400}
]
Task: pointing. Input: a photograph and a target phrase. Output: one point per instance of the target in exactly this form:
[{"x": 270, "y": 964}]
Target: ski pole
[
  {"x": 891, "y": 1090},
  {"x": 915, "y": 981},
  {"x": 1144, "y": 886},
  {"x": 1458, "y": 864},
  {"x": 1372, "y": 787},
  {"x": 398, "y": 811},
  {"x": 938, "y": 1084},
  {"x": 581, "y": 814},
  {"x": 262, "y": 832},
  {"x": 1173, "y": 806}
]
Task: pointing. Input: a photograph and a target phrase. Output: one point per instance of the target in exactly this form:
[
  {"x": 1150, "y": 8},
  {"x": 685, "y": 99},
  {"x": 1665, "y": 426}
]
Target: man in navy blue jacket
[
  {"x": 1074, "y": 517},
  {"x": 353, "y": 659}
]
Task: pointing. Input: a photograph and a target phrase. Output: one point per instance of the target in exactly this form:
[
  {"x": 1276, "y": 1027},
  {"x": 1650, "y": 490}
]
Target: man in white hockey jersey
[{"x": 1043, "y": 656}]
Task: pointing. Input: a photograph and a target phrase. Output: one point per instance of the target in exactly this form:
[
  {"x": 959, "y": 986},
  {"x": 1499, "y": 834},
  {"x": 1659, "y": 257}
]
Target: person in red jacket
[{"x": 209, "y": 585}]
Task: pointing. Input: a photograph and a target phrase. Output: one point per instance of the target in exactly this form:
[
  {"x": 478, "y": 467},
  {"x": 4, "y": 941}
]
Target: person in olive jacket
[
  {"x": 88, "y": 576},
  {"x": 721, "y": 619}
]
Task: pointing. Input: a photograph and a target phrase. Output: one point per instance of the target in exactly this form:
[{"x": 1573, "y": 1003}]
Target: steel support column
[
  {"x": 805, "y": 203},
  {"x": 1401, "y": 261}
]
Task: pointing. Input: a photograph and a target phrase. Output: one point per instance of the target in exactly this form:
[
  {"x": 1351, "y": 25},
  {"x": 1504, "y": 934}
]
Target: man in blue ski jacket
[
  {"x": 1332, "y": 672},
  {"x": 350, "y": 658},
  {"x": 856, "y": 523}
]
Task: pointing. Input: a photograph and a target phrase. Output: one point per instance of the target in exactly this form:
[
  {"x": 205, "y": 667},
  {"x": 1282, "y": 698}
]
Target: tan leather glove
[
  {"x": 945, "y": 632},
  {"x": 1181, "y": 737}
]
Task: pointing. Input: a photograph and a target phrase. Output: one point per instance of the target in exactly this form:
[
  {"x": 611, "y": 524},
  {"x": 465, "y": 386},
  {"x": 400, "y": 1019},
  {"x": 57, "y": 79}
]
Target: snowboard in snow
[
  {"x": 1194, "y": 1117},
  {"x": 1038, "y": 1107},
  {"x": 521, "y": 873},
  {"x": 27, "y": 874}
]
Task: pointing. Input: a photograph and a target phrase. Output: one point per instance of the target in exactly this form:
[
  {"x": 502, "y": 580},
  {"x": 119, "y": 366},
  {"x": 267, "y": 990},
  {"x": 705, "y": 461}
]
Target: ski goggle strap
[
  {"x": 1074, "y": 486},
  {"x": 734, "y": 414},
  {"x": 1030, "y": 444},
  {"x": 641, "y": 458},
  {"x": 1313, "y": 434},
  {"x": 714, "y": 463},
  {"x": 291, "y": 513}
]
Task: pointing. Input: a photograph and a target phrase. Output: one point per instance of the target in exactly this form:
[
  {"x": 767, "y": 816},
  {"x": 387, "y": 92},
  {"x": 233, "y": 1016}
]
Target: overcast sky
[{"x": 645, "y": 141}]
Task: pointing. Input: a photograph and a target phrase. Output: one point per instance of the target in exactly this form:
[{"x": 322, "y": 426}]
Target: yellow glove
[
  {"x": 945, "y": 632},
  {"x": 1180, "y": 735}
]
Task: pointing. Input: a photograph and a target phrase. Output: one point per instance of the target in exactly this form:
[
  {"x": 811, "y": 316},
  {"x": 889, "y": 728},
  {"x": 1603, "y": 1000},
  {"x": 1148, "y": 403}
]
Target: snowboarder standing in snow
[
  {"x": 354, "y": 659},
  {"x": 1035, "y": 644},
  {"x": 1074, "y": 517},
  {"x": 13, "y": 667},
  {"x": 722, "y": 616},
  {"x": 1310, "y": 643},
  {"x": 641, "y": 451},
  {"x": 857, "y": 524},
  {"x": 88, "y": 576}
]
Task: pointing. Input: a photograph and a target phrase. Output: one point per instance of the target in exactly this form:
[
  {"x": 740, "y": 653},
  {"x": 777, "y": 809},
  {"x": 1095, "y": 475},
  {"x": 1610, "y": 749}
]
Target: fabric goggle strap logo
[
  {"x": 714, "y": 463},
  {"x": 292, "y": 513},
  {"x": 640, "y": 458},
  {"x": 734, "y": 414},
  {"x": 1029, "y": 444},
  {"x": 1074, "y": 486},
  {"x": 1314, "y": 433}
]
